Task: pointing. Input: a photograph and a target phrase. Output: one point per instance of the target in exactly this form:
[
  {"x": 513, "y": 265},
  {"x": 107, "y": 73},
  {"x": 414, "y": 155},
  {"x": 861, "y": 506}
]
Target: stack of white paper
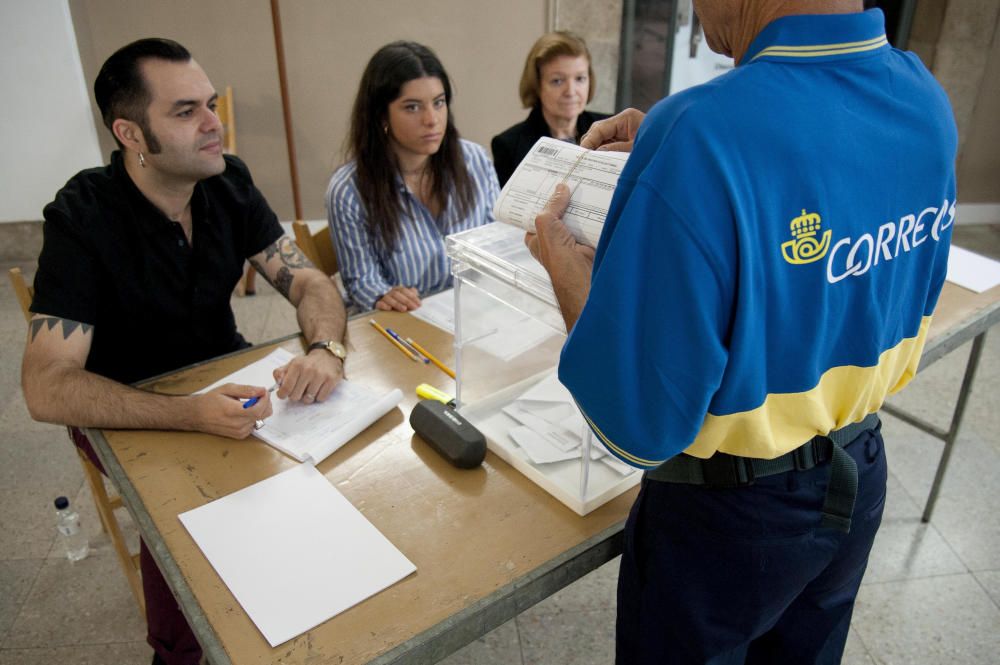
[
  {"x": 552, "y": 428},
  {"x": 294, "y": 552}
]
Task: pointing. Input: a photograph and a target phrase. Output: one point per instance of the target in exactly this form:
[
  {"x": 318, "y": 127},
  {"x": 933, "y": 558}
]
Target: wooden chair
[
  {"x": 106, "y": 504},
  {"x": 227, "y": 116},
  {"x": 224, "y": 109},
  {"x": 317, "y": 246}
]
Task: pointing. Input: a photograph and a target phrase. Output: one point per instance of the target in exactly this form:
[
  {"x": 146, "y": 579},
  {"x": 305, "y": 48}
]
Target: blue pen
[
  {"x": 421, "y": 357},
  {"x": 253, "y": 400}
]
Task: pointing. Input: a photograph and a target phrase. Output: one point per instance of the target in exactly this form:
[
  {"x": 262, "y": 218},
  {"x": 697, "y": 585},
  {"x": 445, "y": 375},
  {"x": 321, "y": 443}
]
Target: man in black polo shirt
[{"x": 138, "y": 264}]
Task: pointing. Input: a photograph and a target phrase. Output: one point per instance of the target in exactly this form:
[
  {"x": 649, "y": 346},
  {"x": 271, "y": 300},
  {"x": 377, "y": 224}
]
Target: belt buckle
[
  {"x": 807, "y": 455},
  {"x": 722, "y": 470}
]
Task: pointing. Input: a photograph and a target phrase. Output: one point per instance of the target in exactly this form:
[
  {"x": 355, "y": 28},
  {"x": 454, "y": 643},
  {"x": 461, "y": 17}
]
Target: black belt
[{"x": 722, "y": 470}]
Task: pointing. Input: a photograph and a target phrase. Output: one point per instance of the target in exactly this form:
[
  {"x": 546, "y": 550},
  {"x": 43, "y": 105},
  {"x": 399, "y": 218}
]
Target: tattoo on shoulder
[
  {"x": 68, "y": 326},
  {"x": 283, "y": 281}
]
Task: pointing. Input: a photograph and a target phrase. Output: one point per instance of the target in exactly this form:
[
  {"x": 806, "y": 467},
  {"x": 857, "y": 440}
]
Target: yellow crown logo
[{"x": 804, "y": 247}]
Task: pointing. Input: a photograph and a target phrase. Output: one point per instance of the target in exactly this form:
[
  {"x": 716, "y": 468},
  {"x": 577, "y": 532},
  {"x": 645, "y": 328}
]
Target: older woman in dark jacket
[{"x": 557, "y": 83}]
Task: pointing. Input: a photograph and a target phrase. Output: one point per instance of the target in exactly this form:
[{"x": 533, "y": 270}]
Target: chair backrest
[
  {"x": 106, "y": 505},
  {"x": 24, "y": 292},
  {"x": 224, "y": 109},
  {"x": 317, "y": 246}
]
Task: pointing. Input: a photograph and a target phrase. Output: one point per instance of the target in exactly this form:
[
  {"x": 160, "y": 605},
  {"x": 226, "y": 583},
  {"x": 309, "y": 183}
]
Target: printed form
[
  {"x": 311, "y": 432},
  {"x": 590, "y": 175}
]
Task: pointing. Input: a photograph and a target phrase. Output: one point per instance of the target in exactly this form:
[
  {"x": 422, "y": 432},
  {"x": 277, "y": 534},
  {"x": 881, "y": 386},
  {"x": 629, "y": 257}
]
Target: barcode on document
[{"x": 551, "y": 152}]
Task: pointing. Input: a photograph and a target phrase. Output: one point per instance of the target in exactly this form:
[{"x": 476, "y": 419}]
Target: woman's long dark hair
[{"x": 387, "y": 72}]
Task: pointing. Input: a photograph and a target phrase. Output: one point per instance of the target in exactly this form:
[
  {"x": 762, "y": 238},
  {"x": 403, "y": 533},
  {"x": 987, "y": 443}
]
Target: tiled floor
[{"x": 931, "y": 595}]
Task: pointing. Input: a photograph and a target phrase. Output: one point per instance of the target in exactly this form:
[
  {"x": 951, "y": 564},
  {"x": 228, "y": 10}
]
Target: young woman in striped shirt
[{"x": 410, "y": 181}]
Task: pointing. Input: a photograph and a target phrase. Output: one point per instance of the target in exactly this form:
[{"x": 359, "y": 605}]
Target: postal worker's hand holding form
[
  {"x": 616, "y": 133},
  {"x": 568, "y": 262}
]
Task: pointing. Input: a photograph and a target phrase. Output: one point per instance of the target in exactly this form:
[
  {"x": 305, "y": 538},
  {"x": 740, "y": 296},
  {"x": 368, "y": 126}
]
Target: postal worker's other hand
[
  {"x": 616, "y": 133},
  {"x": 553, "y": 244}
]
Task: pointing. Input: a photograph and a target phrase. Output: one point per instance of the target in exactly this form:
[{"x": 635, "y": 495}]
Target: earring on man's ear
[
  {"x": 142, "y": 160},
  {"x": 385, "y": 129}
]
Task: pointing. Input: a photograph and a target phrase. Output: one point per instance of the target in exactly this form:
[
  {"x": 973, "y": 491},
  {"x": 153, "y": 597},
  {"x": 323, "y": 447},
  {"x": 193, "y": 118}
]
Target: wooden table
[{"x": 487, "y": 543}]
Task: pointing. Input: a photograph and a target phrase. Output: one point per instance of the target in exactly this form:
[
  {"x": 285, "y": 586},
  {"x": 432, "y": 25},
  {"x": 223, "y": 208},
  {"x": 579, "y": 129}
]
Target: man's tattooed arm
[
  {"x": 319, "y": 307},
  {"x": 58, "y": 388},
  {"x": 68, "y": 326},
  {"x": 278, "y": 271}
]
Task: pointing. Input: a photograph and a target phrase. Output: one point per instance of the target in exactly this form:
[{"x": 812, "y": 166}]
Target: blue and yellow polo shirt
[{"x": 773, "y": 252}]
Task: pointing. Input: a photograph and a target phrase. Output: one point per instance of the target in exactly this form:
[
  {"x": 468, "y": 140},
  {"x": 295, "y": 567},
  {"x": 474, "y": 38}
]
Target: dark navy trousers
[{"x": 745, "y": 575}]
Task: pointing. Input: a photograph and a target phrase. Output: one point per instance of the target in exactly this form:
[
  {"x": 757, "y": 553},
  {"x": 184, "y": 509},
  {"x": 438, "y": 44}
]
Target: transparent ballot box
[{"x": 508, "y": 335}]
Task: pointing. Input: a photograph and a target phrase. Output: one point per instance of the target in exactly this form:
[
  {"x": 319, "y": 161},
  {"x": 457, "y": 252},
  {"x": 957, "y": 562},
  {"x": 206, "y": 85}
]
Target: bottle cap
[{"x": 61, "y": 502}]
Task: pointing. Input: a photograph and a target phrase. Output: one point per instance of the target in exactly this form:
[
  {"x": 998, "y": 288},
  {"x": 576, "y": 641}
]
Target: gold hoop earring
[{"x": 142, "y": 160}]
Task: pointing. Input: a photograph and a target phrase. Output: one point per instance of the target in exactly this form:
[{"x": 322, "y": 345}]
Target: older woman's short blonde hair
[{"x": 548, "y": 47}]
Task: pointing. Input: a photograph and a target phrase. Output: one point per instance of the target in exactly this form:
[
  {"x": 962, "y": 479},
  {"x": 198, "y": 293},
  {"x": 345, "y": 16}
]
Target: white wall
[{"x": 47, "y": 131}]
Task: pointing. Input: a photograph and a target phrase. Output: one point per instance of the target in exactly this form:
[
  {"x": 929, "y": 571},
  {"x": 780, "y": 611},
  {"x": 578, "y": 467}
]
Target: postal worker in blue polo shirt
[{"x": 765, "y": 278}]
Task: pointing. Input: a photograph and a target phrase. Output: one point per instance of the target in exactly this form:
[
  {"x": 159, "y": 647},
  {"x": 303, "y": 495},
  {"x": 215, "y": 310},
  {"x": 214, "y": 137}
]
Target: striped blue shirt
[{"x": 419, "y": 259}]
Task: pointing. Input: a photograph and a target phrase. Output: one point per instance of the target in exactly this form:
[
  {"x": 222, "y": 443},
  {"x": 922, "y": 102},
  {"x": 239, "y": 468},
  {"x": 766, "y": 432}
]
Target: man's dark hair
[{"x": 120, "y": 89}]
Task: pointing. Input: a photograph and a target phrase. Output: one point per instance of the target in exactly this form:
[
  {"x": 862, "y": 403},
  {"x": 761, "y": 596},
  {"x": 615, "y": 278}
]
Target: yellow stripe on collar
[{"x": 819, "y": 50}]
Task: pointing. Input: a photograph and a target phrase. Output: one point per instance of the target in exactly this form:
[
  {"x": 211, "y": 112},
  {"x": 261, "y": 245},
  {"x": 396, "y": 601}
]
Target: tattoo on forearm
[
  {"x": 50, "y": 322},
  {"x": 283, "y": 281},
  {"x": 291, "y": 255}
]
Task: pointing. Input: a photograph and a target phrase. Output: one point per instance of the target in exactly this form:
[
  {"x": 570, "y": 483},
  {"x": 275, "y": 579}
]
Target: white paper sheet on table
[
  {"x": 438, "y": 310},
  {"x": 972, "y": 271},
  {"x": 312, "y": 432},
  {"x": 294, "y": 552},
  {"x": 493, "y": 328}
]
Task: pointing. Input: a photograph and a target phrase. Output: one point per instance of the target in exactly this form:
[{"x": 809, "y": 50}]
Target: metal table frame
[{"x": 973, "y": 329}]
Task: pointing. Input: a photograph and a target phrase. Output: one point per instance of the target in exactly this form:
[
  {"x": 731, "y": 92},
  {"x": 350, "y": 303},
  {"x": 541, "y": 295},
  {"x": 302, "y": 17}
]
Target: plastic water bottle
[{"x": 68, "y": 524}]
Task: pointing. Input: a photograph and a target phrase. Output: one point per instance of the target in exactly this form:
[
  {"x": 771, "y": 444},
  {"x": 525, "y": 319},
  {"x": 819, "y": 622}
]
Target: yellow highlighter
[{"x": 427, "y": 391}]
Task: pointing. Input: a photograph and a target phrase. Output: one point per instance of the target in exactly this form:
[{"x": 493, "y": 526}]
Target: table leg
[{"x": 956, "y": 423}]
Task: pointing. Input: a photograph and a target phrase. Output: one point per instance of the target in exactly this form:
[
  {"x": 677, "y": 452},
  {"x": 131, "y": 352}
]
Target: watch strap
[{"x": 329, "y": 346}]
